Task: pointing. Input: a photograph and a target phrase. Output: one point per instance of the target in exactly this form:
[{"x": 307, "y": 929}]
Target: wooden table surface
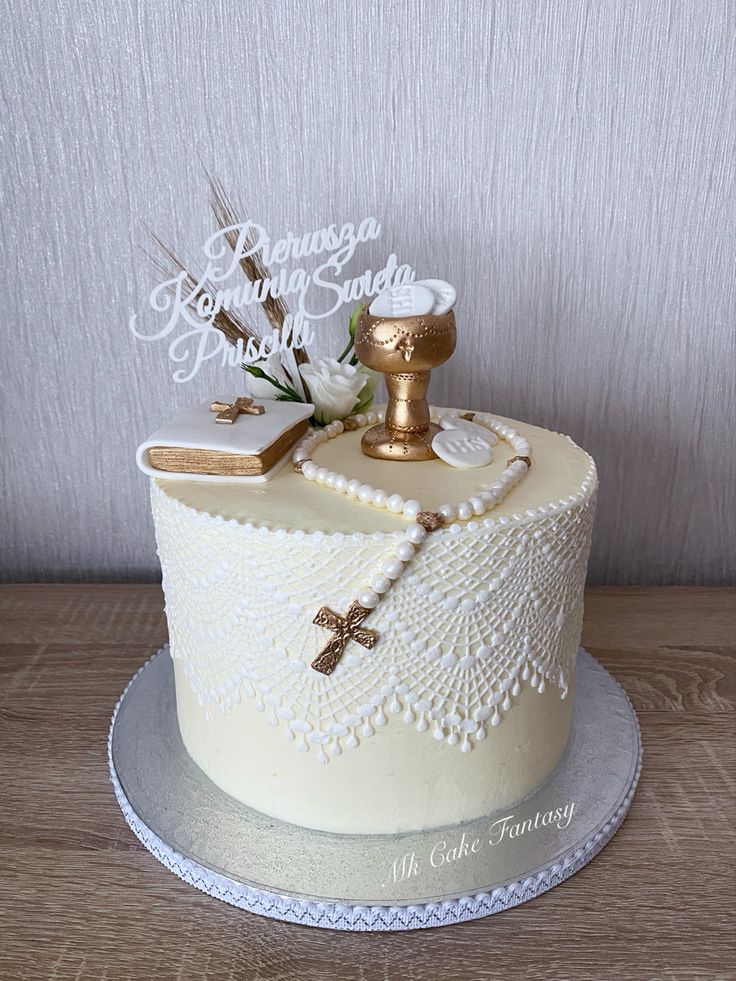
[{"x": 80, "y": 898}]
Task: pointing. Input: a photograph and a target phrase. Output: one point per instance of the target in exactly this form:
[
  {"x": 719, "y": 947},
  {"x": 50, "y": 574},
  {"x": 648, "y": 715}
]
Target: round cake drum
[{"x": 365, "y": 882}]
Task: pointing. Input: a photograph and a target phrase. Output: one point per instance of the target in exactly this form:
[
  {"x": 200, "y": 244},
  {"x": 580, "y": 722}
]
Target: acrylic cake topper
[{"x": 212, "y": 316}]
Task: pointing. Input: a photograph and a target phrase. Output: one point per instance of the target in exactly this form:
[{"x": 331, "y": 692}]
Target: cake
[{"x": 352, "y": 661}]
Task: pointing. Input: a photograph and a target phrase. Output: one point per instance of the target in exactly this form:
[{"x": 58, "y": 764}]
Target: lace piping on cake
[{"x": 506, "y": 603}]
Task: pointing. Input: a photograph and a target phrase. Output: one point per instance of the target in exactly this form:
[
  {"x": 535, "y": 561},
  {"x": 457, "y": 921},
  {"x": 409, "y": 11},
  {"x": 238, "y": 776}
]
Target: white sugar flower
[
  {"x": 261, "y": 388},
  {"x": 333, "y": 387},
  {"x": 367, "y": 393}
]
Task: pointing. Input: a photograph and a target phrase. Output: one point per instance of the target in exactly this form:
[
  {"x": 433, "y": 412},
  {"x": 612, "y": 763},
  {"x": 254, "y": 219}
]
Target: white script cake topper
[{"x": 192, "y": 306}]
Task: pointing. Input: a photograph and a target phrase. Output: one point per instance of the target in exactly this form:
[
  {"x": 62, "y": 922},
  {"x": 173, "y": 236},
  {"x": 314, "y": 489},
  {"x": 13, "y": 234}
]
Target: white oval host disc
[
  {"x": 462, "y": 449},
  {"x": 411, "y": 300},
  {"x": 445, "y": 294},
  {"x": 453, "y": 422}
]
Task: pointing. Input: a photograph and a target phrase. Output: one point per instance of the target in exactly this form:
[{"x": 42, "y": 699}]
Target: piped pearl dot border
[{"x": 422, "y": 521}]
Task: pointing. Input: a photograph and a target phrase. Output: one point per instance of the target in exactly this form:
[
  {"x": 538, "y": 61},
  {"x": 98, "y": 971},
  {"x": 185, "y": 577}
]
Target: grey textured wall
[{"x": 568, "y": 165}]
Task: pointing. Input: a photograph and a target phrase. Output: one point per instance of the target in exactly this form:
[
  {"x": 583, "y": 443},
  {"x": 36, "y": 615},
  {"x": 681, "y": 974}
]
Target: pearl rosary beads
[{"x": 422, "y": 522}]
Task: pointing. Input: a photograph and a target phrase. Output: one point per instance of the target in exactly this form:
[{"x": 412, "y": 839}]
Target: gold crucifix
[
  {"x": 344, "y": 629},
  {"x": 229, "y": 412}
]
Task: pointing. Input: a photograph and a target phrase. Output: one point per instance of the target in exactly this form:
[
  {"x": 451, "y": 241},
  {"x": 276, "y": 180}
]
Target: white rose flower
[
  {"x": 370, "y": 384},
  {"x": 333, "y": 387},
  {"x": 259, "y": 388}
]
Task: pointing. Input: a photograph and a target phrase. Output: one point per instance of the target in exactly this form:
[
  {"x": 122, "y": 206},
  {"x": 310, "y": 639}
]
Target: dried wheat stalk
[
  {"x": 252, "y": 265},
  {"x": 233, "y": 325}
]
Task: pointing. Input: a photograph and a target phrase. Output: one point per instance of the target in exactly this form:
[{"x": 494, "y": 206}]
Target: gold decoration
[
  {"x": 430, "y": 520},
  {"x": 404, "y": 349},
  {"x": 344, "y": 629},
  {"x": 228, "y": 412},
  {"x": 178, "y": 459},
  {"x": 525, "y": 459}
]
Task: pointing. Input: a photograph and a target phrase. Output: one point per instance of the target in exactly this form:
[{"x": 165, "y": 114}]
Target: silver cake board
[{"x": 372, "y": 882}]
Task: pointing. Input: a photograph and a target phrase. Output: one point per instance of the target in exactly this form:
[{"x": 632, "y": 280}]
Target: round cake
[{"x": 464, "y": 704}]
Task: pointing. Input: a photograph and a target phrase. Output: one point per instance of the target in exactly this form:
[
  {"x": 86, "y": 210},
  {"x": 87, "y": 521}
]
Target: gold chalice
[{"x": 404, "y": 349}]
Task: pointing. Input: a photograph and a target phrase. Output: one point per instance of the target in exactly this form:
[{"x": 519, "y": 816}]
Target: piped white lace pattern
[{"x": 489, "y": 606}]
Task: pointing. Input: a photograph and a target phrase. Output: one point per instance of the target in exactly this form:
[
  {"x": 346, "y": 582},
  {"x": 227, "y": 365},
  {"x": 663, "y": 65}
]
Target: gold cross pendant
[
  {"x": 229, "y": 412},
  {"x": 343, "y": 629}
]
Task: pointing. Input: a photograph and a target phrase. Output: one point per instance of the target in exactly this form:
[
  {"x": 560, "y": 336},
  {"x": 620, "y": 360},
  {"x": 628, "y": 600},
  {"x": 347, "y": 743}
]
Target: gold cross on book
[
  {"x": 344, "y": 629},
  {"x": 229, "y": 412}
]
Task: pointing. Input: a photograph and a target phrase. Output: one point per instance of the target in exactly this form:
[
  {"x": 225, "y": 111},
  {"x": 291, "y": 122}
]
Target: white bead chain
[{"x": 416, "y": 532}]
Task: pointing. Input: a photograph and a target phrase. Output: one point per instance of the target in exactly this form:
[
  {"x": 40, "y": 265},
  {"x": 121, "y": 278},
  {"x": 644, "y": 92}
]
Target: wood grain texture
[
  {"x": 568, "y": 166},
  {"x": 81, "y": 899}
]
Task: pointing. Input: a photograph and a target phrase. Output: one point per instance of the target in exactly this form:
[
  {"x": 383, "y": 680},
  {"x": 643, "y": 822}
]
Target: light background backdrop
[{"x": 568, "y": 165}]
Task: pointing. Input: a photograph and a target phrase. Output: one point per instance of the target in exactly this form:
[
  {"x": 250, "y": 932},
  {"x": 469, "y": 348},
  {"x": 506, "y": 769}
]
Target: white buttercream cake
[{"x": 464, "y": 703}]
